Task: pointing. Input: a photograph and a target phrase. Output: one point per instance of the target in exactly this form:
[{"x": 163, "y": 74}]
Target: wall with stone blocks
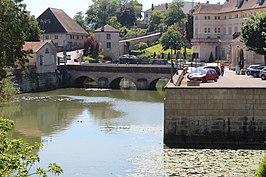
[{"x": 215, "y": 117}]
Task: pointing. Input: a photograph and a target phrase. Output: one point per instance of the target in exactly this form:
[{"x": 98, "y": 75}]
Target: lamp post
[
  {"x": 218, "y": 51},
  {"x": 172, "y": 65}
]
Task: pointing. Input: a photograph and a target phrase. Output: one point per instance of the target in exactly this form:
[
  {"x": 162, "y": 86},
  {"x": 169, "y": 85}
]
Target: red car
[{"x": 203, "y": 75}]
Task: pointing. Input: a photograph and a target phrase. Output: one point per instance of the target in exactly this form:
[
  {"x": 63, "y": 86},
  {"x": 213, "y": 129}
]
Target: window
[
  {"x": 77, "y": 37},
  {"x": 205, "y": 30},
  {"x": 209, "y": 30},
  {"x": 209, "y": 17},
  {"x": 41, "y": 60},
  {"x": 46, "y": 37},
  {"x": 55, "y": 37},
  {"x": 46, "y": 51},
  {"x": 147, "y": 15},
  {"x": 215, "y": 30},
  {"x": 108, "y": 36},
  {"x": 56, "y": 43},
  {"x": 218, "y": 30},
  {"x": 215, "y": 17},
  {"x": 108, "y": 45},
  {"x": 205, "y": 17},
  {"x": 81, "y": 37},
  {"x": 218, "y": 17}
]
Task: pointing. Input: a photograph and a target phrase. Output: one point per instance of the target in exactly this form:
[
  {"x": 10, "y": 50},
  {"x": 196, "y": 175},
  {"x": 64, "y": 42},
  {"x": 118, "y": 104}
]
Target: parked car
[
  {"x": 216, "y": 68},
  {"x": 256, "y": 71},
  {"x": 204, "y": 75},
  {"x": 250, "y": 67},
  {"x": 263, "y": 74}
]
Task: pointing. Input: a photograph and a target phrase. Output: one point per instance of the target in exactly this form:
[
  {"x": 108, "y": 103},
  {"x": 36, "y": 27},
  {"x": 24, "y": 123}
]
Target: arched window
[{"x": 46, "y": 50}]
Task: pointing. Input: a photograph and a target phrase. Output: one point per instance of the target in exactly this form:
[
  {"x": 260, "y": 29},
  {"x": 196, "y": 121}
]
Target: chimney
[
  {"x": 102, "y": 28},
  {"x": 166, "y": 6},
  {"x": 152, "y": 7}
]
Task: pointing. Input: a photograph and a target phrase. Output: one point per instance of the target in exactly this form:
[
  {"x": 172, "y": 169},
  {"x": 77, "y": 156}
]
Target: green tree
[
  {"x": 114, "y": 22},
  {"x": 172, "y": 38},
  {"x": 253, "y": 34},
  {"x": 17, "y": 157},
  {"x": 101, "y": 11},
  {"x": 138, "y": 8},
  {"x": 16, "y": 26},
  {"x": 155, "y": 20},
  {"x": 174, "y": 14},
  {"x": 126, "y": 16},
  {"x": 141, "y": 45},
  {"x": 80, "y": 19}
]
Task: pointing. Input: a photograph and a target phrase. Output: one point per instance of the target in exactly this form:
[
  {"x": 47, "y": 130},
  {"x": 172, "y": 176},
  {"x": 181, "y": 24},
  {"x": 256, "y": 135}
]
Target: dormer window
[
  {"x": 239, "y": 3},
  {"x": 260, "y": 2}
]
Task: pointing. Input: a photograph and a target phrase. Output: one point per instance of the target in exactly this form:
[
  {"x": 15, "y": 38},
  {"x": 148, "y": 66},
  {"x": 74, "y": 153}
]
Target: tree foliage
[
  {"x": 174, "y": 14},
  {"x": 155, "y": 21},
  {"x": 138, "y": 8},
  {"x": 173, "y": 38},
  {"x": 101, "y": 11},
  {"x": 80, "y": 19},
  {"x": 16, "y": 26},
  {"x": 91, "y": 47},
  {"x": 17, "y": 156},
  {"x": 253, "y": 34},
  {"x": 126, "y": 16}
]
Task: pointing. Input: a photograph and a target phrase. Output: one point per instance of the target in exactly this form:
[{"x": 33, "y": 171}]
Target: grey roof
[
  {"x": 107, "y": 28},
  {"x": 230, "y": 6},
  {"x": 59, "y": 22}
]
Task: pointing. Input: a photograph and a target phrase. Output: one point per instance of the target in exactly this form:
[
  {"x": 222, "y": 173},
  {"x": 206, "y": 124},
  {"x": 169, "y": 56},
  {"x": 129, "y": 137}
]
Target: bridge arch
[
  {"x": 84, "y": 81},
  {"x": 153, "y": 83},
  {"x": 115, "y": 82}
]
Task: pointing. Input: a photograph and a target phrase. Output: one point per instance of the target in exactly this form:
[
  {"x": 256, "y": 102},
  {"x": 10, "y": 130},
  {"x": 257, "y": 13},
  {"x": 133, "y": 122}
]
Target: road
[{"x": 231, "y": 79}]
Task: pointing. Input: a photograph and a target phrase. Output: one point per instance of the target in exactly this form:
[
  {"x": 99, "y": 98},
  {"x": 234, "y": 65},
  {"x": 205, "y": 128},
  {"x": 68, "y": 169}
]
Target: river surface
[{"x": 92, "y": 133}]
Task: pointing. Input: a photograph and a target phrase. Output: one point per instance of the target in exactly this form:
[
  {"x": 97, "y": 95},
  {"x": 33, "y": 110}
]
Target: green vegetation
[
  {"x": 158, "y": 49},
  {"x": 253, "y": 34},
  {"x": 261, "y": 172}
]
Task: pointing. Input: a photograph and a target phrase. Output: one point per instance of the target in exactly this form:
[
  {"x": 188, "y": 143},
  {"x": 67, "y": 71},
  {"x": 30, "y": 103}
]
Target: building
[
  {"x": 43, "y": 59},
  {"x": 108, "y": 38},
  {"x": 163, "y": 7},
  {"x": 217, "y": 29},
  {"x": 61, "y": 29}
]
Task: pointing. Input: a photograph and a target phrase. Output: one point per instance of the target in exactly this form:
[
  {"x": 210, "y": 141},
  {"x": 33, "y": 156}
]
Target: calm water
[{"x": 115, "y": 133}]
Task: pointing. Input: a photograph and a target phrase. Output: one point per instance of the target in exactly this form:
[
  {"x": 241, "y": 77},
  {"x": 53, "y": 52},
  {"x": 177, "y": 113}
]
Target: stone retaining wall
[
  {"x": 215, "y": 116},
  {"x": 33, "y": 82}
]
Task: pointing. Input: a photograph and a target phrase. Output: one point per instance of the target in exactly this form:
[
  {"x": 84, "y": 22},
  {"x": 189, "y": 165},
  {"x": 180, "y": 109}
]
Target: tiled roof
[
  {"x": 59, "y": 20},
  {"x": 107, "y": 28},
  {"x": 230, "y": 6},
  {"x": 35, "y": 46},
  {"x": 161, "y": 8},
  {"x": 208, "y": 8}
]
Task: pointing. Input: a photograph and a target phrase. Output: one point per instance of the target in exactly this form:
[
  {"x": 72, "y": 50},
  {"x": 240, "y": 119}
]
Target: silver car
[{"x": 263, "y": 74}]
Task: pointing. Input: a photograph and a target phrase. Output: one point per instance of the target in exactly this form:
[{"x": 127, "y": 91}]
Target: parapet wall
[{"x": 215, "y": 116}]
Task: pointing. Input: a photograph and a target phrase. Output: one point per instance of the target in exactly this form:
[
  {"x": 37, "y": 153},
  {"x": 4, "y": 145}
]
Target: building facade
[
  {"x": 163, "y": 7},
  {"x": 43, "y": 59},
  {"x": 61, "y": 29},
  {"x": 217, "y": 29},
  {"x": 108, "y": 38}
]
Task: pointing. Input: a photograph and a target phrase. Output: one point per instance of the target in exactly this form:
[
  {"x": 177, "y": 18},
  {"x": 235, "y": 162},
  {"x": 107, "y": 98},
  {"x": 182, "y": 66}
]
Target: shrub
[{"x": 261, "y": 172}]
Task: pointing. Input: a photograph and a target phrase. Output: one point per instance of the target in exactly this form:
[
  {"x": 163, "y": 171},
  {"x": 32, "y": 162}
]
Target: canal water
[{"x": 92, "y": 132}]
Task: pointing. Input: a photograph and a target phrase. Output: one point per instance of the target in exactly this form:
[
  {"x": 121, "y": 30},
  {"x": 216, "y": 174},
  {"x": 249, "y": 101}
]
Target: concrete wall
[{"x": 215, "y": 117}]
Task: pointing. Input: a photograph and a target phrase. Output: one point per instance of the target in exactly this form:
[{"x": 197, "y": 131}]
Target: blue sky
[{"x": 72, "y": 7}]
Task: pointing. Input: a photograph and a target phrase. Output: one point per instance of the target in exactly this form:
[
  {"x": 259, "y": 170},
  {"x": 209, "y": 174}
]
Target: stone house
[
  {"x": 163, "y": 7},
  {"x": 43, "y": 59},
  {"x": 108, "y": 39},
  {"x": 61, "y": 29},
  {"x": 217, "y": 29}
]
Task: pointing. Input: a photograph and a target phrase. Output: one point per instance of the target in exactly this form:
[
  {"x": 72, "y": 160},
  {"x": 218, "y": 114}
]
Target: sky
[{"x": 37, "y": 7}]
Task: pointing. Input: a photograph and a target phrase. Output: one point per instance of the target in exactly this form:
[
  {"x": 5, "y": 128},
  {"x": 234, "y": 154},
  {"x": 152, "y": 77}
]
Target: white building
[
  {"x": 43, "y": 59},
  {"x": 108, "y": 38},
  {"x": 163, "y": 7},
  {"x": 217, "y": 29}
]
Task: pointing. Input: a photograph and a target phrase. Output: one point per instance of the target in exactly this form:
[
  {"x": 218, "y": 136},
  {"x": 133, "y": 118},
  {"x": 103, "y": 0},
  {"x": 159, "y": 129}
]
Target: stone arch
[
  {"x": 142, "y": 84},
  {"x": 115, "y": 83},
  {"x": 84, "y": 81},
  {"x": 103, "y": 82},
  {"x": 153, "y": 84}
]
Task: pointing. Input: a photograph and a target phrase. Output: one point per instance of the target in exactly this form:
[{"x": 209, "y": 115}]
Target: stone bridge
[{"x": 145, "y": 77}]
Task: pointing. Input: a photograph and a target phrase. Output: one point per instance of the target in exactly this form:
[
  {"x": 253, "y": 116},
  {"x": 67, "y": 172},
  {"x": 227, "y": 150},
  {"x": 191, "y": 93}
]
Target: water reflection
[{"x": 115, "y": 133}]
